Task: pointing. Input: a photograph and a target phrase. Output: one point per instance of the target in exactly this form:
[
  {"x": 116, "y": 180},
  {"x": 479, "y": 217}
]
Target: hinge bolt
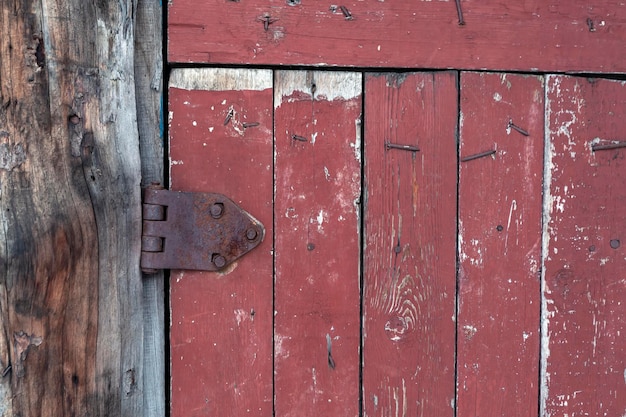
[
  {"x": 217, "y": 210},
  {"x": 251, "y": 233},
  {"x": 219, "y": 261}
]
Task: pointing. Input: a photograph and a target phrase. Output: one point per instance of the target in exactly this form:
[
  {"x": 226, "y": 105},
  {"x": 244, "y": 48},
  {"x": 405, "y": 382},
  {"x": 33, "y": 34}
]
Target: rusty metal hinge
[{"x": 200, "y": 231}]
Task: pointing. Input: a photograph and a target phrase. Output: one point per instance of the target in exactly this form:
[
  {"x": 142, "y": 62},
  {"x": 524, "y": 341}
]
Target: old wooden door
[{"x": 437, "y": 243}]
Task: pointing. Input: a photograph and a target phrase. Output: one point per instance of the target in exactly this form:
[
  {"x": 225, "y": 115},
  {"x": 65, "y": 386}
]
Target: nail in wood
[
  {"x": 478, "y": 155},
  {"x": 459, "y": 11},
  {"x": 346, "y": 12},
  {"x": 389, "y": 145},
  {"x": 518, "y": 129},
  {"x": 228, "y": 117},
  {"x": 299, "y": 138},
  {"x": 267, "y": 21},
  {"x": 608, "y": 146},
  {"x": 251, "y": 124}
]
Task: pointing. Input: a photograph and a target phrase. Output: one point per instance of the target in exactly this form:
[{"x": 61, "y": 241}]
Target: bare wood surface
[
  {"x": 410, "y": 236},
  {"x": 148, "y": 61},
  {"x": 221, "y": 322},
  {"x": 70, "y": 209},
  {"x": 584, "y": 313},
  {"x": 500, "y": 185},
  {"x": 317, "y": 244},
  {"x": 497, "y": 35}
]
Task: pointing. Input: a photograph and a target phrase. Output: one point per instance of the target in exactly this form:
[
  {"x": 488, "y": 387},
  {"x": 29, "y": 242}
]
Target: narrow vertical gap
[
  {"x": 166, "y": 180},
  {"x": 273, "y": 243},
  {"x": 362, "y": 247},
  {"x": 457, "y": 250}
]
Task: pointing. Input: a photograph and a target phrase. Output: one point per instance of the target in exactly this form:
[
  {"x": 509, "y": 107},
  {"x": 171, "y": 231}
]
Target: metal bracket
[{"x": 200, "y": 231}]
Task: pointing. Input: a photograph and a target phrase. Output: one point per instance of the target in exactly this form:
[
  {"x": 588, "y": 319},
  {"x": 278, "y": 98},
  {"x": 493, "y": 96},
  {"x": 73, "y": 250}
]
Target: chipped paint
[
  {"x": 220, "y": 79},
  {"x": 329, "y": 86}
]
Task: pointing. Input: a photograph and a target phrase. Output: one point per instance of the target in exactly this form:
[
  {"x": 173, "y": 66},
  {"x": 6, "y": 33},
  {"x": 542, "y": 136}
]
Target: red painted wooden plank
[
  {"x": 317, "y": 244},
  {"x": 221, "y": 323},
  {"x": 500, "y": 207},
  {"x": 410, "y": 234},
  {"x": 530, "y": 35},
  {"x": 584, "y": 361}
]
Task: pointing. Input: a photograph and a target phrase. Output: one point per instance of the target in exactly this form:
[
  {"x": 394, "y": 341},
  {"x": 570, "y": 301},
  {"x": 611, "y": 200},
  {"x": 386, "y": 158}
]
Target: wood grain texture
[
  {"x": 317, "y": 243},
  {"x": 584, "y": 238},
  {"x": 500, "y": 205},
  {"x": 221, "y": 323},
  {"x": 410, "y": 236},
  {"x": 530, "y": 35},
  {"x": 70, "y": 208},
  {"x": 148, "y": 62}
]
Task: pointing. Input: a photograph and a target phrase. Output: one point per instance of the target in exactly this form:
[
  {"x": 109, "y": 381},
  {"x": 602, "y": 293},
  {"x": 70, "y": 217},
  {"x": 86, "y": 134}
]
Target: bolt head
[
  {"x": 217, "y": 210},
  {"x": 219, "y": 261},
  {"x": 251, "y": 233}
]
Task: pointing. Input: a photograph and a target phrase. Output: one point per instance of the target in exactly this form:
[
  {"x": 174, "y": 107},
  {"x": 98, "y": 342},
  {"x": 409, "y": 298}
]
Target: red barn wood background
[{"x": 437, "y": 241}]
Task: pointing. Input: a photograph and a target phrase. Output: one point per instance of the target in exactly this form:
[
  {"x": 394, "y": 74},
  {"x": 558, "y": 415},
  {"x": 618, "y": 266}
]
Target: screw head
[
  {"x": 217, "y": 210},
  {"x": 219, "y": 261},
  {"x": 251, "y": 233}
]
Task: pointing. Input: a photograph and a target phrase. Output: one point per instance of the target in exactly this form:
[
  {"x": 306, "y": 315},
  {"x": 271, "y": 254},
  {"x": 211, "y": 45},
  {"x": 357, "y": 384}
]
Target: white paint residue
[
  {"x": 357, "y": 140},
  {"x": 313, "y": 138},
  {"x": 547, "y": 214},
  {"x": 240, "y": 315},
  {"x": 175, "y": 162},
  {"x": 497, "y": 97},
  {"x": 320, "y": 221},
  {"x": 508, "y": 225},
  {"x": 279, "y": 350},
  {"x": 326, "y": 174},
  {"x": 194, "y": 123},
  {"x": 211, "y": 129}
]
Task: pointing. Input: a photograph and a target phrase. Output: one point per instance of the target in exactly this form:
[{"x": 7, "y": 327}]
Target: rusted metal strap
[{"x": 199, "y": 231}]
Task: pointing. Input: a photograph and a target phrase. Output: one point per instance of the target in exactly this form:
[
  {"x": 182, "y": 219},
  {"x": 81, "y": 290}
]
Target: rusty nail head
[
  {"x": 219, "y": 260},
  {"x": 217, "y": 210},
  {"x": 251, "y": 233}
]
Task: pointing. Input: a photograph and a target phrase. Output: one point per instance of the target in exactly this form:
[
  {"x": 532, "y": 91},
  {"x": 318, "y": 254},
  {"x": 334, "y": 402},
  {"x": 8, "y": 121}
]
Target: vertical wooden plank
[
  {"x": 221, "y": 323},
  {"x": 149, "y": 97},
  {"x": 318, "y": 187},
  {"x": 410, "y": 235},
  {"x": 499, "y": 244},
  {"x": 583, "y": 356},
  {"x": 70, "y": 229}
]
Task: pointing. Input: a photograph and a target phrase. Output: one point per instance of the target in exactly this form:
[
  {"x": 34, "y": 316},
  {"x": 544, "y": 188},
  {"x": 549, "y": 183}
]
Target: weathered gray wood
[
  {"x": 149, "y": 88},
  {"x": 70, "y": 287}
]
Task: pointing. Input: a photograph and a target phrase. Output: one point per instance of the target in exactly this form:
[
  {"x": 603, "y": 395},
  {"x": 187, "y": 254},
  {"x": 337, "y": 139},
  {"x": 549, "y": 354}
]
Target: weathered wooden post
[{"x": 71, "y": 325}]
